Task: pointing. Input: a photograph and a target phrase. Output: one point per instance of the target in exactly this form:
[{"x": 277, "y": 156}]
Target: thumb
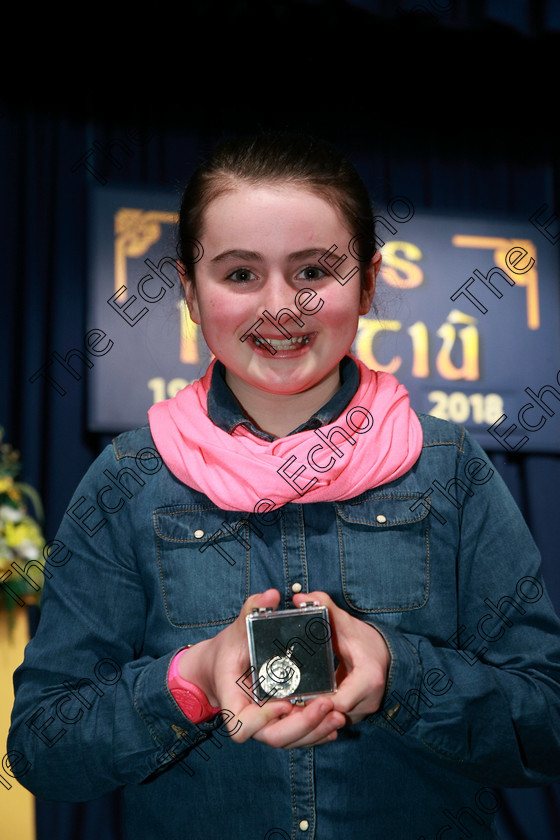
[{"x": 269, "y": 598}]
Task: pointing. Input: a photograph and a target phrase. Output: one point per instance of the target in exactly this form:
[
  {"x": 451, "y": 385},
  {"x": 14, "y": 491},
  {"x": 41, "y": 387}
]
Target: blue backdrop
[{"x": 460, "y": 339}]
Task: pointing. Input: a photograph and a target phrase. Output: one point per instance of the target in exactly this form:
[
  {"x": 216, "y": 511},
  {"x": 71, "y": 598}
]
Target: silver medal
[{"x": 280, "y": 675}]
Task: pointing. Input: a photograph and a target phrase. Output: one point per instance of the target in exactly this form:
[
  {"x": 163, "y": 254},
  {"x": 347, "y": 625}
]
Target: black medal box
[{"x": 291, "y": 652}]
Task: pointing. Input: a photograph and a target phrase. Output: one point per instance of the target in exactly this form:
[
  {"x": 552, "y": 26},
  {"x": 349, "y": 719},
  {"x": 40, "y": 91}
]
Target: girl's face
[{"x": 261, "y": 247}]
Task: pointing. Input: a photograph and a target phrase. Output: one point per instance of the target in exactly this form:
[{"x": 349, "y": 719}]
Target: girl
[{"x": 290, "y": 473}]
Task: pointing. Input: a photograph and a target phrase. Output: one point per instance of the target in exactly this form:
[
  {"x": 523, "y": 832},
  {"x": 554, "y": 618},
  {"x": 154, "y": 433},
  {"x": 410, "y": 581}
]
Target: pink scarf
[{"x": 238, "y": 470}]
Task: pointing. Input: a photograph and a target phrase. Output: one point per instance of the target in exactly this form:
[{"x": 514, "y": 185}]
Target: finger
[
  {"x": 351, "y": 690},
  {"x": 358, "y": 695},
  {"x": 304, "y": 597},
  {"x": 269, "y": 598},
  {"x": 253, "y": 717},
  {"x": 302, "y": 724},
  {"x": 325, "y": 731},
  {"x": 332, "y": 736}
]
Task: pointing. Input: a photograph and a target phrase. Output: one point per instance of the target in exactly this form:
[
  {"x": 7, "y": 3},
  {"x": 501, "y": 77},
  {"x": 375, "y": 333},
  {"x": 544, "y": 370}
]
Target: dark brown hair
[{"x": 276, "y": 158}]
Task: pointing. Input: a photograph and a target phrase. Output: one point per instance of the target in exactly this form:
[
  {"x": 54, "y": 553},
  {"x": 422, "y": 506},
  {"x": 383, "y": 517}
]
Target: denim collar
[{"x": 226, "y": 412}]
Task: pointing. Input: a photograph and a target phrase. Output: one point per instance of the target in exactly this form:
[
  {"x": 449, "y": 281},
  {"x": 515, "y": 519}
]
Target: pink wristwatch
[{"x": 190, "y": 698}]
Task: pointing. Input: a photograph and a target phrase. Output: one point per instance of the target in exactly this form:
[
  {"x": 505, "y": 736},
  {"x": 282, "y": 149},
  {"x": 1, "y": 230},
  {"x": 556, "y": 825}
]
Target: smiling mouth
[{"x": 285, "y": 343}]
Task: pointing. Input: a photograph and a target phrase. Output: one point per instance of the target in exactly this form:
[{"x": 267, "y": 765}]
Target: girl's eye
[
  {"x": 241, "y": 275},
  {"x": 312, "y": 272}
]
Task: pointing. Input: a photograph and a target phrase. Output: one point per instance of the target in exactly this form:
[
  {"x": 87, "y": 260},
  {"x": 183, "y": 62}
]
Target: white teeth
[{"x": 284, "y": 344}]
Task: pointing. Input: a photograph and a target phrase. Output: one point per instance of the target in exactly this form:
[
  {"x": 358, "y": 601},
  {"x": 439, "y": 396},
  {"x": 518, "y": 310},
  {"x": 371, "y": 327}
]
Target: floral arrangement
[{"x": 21, "y": 537}]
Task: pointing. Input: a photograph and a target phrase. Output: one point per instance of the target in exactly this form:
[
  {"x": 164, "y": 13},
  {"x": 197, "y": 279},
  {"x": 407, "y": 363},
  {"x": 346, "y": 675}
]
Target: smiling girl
[{"x": 291, "y": 472}]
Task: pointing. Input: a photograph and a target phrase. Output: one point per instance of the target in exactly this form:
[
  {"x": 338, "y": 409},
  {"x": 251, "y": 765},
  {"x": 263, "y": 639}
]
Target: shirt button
[
  {"x": 296, "y": 587},
  {"x": 304, "y": 825},
  {"x": 392, "y": 712},
  {"x": 380, "y": 518},
  {"x": 178, "y": 730},
  {"x": 199, "y": 533}
]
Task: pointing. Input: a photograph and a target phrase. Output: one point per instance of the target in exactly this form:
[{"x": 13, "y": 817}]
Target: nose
[{"x": 279, "y": 309}]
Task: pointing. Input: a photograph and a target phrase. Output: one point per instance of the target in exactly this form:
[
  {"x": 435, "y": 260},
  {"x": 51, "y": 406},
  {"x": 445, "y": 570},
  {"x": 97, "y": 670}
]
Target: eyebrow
[{"x": 308, "y": 254}]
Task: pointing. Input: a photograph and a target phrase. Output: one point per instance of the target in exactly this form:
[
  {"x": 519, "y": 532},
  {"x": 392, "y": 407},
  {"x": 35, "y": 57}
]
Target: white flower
[
  {"x": 10, "y": 514},
  {"x": 28, "y": 550}
]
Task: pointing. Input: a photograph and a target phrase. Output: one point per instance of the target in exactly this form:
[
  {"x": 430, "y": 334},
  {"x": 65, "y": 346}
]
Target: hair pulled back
[{"x": 275, "y": 158}]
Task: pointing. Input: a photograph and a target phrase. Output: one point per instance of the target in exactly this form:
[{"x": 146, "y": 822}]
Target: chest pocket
[
  {"x": 203, "y": 558},
  {"x": 385, "y": 553}
]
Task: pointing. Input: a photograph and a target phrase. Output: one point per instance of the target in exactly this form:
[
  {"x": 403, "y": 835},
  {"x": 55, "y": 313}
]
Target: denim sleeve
[
  {"x": 92, "y": 712},
  {"x": 483, "y": 696}
]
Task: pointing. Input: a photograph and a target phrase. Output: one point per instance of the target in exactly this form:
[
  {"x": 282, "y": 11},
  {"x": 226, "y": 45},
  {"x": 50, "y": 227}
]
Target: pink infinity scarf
[{"x": 238, "y": 470}]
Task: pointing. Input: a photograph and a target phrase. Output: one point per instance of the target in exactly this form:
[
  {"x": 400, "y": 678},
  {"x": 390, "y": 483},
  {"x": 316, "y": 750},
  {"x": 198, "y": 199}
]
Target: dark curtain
[{"x": 455, "y": 110}]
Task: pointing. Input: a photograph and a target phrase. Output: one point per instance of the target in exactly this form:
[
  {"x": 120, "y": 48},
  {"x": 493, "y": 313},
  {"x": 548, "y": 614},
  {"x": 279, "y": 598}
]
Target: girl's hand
[
  {"x": 217, "y": 666},
  {"x": 363, "y": 658}
]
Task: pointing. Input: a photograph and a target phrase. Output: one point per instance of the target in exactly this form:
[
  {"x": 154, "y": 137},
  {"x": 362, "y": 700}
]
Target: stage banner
[{"x": 468, "y": 317}]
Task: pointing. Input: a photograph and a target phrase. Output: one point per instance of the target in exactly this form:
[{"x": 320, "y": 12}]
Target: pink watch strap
[{"x": 186, "y": 693}]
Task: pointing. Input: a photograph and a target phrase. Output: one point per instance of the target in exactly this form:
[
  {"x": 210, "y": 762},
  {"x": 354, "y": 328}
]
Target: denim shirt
[{"x": 440, "y": 561}]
